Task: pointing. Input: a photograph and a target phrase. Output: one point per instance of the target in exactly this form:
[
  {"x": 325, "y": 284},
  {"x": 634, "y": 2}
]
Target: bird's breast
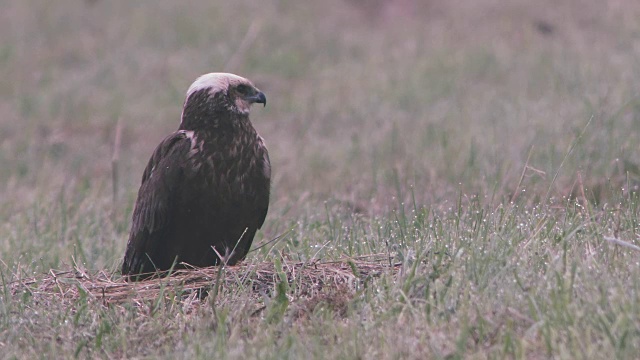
[{"x": 232, "y": 172}]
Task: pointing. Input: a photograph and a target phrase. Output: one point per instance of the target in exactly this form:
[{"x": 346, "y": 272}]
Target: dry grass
[{"x": 66, "y": 287}]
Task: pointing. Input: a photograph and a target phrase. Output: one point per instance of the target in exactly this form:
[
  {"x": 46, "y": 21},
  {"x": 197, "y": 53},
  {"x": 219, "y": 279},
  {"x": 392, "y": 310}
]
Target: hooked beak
[{"x": 258, "y": 98}]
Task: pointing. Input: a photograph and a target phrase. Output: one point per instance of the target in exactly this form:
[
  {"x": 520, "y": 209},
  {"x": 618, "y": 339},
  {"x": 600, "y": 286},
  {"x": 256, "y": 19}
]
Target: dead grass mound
[{"x": 304, "y": 280}]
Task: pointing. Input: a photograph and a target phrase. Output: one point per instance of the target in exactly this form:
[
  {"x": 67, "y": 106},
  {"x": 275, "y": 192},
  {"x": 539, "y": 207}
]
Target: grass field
[{"x": 492, "y": 148}]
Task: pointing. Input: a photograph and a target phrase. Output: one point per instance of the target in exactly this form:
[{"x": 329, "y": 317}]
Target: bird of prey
[{"x": 206, "y": 185}]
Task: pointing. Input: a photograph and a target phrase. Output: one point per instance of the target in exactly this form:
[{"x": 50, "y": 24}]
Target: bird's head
[{"x": 215, "y": 93}]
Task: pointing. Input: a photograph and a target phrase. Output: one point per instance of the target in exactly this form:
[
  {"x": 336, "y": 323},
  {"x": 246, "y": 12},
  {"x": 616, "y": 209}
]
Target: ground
[{"x": 491, "y": 148}]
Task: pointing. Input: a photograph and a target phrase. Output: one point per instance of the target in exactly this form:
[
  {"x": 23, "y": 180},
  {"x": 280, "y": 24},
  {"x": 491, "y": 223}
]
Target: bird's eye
[{"x": 243, "y": 89}]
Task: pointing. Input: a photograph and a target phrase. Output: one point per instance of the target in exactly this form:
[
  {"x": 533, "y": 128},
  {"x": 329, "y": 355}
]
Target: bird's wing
[{"x": 160, "y": 181}]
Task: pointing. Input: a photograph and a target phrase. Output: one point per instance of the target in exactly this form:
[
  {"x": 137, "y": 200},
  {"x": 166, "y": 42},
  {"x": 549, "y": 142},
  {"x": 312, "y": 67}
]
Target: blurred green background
[{"x": 371, "y": 104}]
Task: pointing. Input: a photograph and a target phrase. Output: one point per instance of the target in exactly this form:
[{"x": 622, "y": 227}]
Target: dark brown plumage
[{"x": 206, "y": 185}]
